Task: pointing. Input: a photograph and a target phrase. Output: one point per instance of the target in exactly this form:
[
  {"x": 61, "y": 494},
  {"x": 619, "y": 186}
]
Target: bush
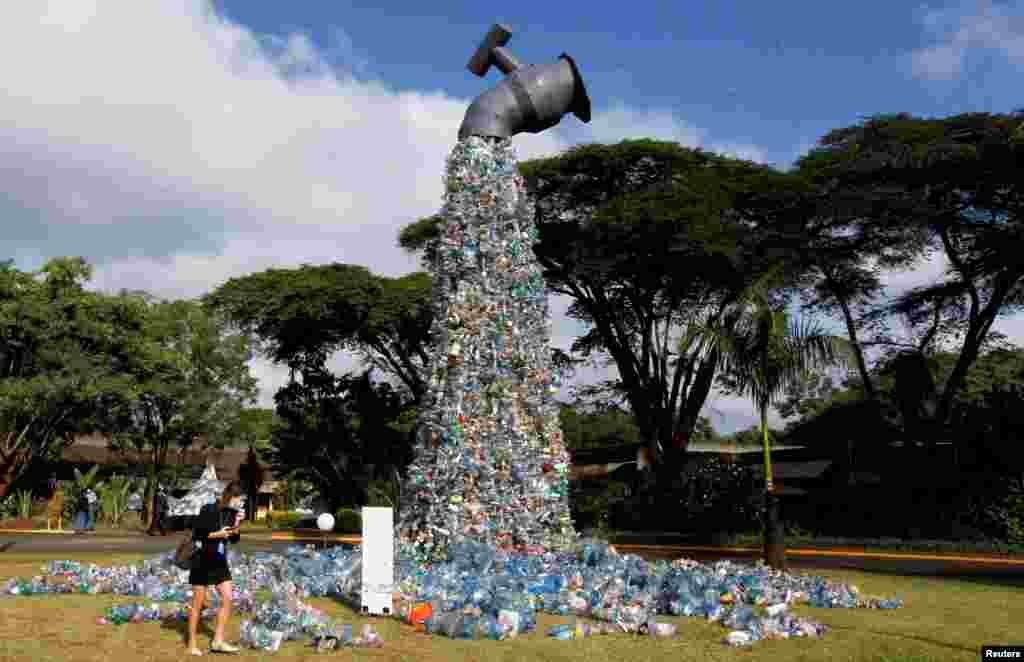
[
  {"x": 348, "y": 520},
  {"x": 1008, "y": 513},
  {"x": 286, "y": 520},
  {"x": 8, "y": 507},
  {"x": 719, "y": 497},
  {"x": 995, "y": 506}
]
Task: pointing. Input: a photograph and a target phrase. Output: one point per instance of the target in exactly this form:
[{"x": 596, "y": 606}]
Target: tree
[
  {"x": 195, "y": 387},
  {"x": 957, "y": 182},
  {"x": 63, "y": 350},
  {"x": 254, "y": 428},
  {"x": 314, "y": 311},
  {"x": 763, "y": 355},
  {"x": 814, "y": 392},
  {"x": 644, "y": 237},
  {"x": 752, "y": 436},
  {"x": 585, "y": 430},
  {"x": 338, "y": 433}
]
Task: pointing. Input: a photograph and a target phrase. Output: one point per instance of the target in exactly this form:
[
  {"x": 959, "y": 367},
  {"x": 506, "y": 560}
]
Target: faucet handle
[{"x": 491, "y": 52}]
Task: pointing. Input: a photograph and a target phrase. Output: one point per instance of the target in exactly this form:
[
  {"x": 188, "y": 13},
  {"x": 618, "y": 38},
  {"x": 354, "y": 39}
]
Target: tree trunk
[
  {"x": 12, "y": 465},
  {"x": 774, "y": 533},
  {"x": 858, "y": 353}
]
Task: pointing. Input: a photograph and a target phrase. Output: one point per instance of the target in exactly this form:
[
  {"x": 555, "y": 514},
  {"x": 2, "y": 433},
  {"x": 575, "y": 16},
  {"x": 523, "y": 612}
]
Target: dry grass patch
[{"x": 944, "y": 621}]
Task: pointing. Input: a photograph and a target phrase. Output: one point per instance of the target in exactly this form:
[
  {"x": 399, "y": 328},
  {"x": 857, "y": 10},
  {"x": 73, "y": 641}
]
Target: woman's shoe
[
  {"x": 222, "y": 647},
  {"x": 196, "y": 652}
]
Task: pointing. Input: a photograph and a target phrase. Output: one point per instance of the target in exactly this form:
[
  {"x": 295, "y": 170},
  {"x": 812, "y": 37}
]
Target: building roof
[
  {"x": 627, "y": 452},
  {"x": 92, "y": 449},
  {"x": 797, "y": 470}
]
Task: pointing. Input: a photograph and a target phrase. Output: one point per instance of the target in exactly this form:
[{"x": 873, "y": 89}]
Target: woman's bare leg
[
  {"x": 224, "y": 613},
  {"x": 198, "y": 594}
]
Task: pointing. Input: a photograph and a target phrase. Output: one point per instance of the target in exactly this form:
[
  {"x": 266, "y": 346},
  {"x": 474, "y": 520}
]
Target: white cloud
[
  {"x": 928, "y": 271},
  {"x": 977, "y": 25},
  {"x": 620, "y": 122},
  {"x": 188, "y": 149}
]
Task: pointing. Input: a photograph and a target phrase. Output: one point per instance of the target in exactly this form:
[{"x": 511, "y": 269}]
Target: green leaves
[
  {"x": 113, "y": 497},
  {"x": 24, "y": 501},
  {"x": 190, "y": 379},
  {"x": 301, "y": 316},
  {"x": 62, "y": 351}
]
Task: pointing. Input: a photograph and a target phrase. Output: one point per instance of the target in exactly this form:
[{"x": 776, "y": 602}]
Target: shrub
[
  {"x": 384, "y": 493},
  {"x": 348, "y": 520},
  {"x": 8, "y": 507},
  {"x": 721, "y": 496},
  {"x": 996, "y": 507},
  {"x": 1008, "y": 513},
  {"x": 24, "y": 498},
  {"x": 285, "y": 520}
]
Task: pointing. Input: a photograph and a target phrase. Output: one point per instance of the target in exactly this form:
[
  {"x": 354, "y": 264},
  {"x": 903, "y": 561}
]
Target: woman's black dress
[{"x": 211, "y": 566}]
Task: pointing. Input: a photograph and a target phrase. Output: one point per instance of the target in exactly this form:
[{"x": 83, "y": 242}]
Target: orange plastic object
[{"x": 420, "y": 613}]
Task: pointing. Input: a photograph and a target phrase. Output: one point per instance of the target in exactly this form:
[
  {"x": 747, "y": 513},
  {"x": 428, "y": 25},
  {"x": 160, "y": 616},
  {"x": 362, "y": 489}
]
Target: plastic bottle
[
  {"x": 562, "y": 632},
  {"x": 665, "y": 630},
  {"x": 738, "y": 638}
]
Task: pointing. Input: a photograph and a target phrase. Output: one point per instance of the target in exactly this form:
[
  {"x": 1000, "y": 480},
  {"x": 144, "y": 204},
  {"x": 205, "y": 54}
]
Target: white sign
[{"x": 378, "y": 560}]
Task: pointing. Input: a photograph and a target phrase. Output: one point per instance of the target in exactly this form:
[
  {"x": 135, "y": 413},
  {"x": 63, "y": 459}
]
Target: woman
[
  {"x": 215, "y": 527},
  {"x": 93, "y": 506}
]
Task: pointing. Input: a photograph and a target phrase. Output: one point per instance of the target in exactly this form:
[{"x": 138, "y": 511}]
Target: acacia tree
[
  {"x": 645, "y": 238},
  {"x": 314, "y": 311},
  {"x": 63, "y": 351},
  {"x": 958, "y": 182},
  {"x": 837, "y": 268}
]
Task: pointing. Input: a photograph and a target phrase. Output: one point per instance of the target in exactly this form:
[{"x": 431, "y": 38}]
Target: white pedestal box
[{"x": 378, "y": 560}]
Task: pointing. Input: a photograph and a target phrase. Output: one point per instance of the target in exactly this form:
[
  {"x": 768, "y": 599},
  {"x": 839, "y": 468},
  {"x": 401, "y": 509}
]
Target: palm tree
[{"x": 762, "y": 354}]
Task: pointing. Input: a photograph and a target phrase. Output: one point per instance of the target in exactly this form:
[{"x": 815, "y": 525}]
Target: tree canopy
[
  {"x": 956, "y": 184},
  {"x": 302, "y": 316},
  {"x": 197, "y": 386},
  {"x": 63, "y": 350}
]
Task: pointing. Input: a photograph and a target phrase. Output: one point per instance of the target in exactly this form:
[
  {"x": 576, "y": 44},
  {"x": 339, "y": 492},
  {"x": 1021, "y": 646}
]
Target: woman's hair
[{"x": 231, "y": 490}]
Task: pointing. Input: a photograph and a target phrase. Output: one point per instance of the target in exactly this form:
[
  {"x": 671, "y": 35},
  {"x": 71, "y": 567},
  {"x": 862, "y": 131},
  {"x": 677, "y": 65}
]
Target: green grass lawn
[{"x": 944, "y": 620}]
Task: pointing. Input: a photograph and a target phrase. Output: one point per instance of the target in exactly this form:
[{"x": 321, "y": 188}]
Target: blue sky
[
  {"x": 774, "y": 76},
  {"x": 179, "y": 144}
]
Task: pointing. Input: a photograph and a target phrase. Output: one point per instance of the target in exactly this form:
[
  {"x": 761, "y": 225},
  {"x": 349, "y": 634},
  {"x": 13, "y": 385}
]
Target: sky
[{"x": 177, "y": 144}]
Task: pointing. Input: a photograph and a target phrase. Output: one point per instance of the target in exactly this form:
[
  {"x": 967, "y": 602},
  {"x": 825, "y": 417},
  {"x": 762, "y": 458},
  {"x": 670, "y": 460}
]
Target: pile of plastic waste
[{"x": 482, "y": 592}]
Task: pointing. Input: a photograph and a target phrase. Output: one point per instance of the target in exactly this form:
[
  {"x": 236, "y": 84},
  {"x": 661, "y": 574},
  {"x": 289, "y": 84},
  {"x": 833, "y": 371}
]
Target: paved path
[{"x": 1002, "y": 571}]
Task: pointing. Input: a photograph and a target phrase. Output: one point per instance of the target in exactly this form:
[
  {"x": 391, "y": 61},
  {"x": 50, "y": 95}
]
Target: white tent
[{"x": 205, "y": 490}]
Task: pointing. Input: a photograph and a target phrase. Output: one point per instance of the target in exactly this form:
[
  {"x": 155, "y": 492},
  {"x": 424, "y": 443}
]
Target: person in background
[
  {"x": 92, "y": 506},
  {"x": 156, "y": 523},
  {"x": 216, "y": 525},
  {"x": 134, "y": 502},
  {"x": 82, "y": 517}
]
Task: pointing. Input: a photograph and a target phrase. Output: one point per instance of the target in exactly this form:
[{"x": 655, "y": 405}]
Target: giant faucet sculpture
[
  {"x": 489, "y": 462},
  {"x": 532, "y": 98}
]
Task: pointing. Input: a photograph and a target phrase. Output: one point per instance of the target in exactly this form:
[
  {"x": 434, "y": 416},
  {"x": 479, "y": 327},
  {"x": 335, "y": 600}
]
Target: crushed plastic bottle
[
  {"x": 738, "y": 638},
  {"x": 457, "y": 598}
]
